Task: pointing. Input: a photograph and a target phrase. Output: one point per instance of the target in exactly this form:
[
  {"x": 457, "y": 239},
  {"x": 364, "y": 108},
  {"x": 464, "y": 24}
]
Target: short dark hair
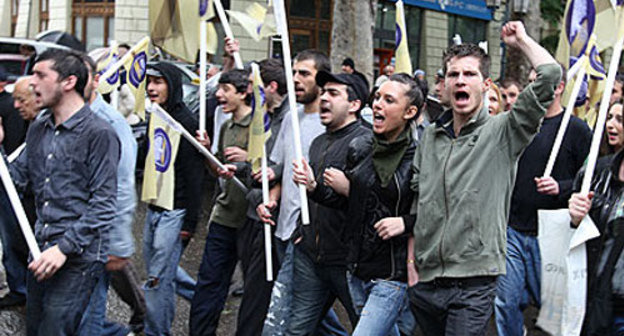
[
  {"x": 507, "y": 82},
  {"x": 619, "y": 77},
  {"x": 91, "y": 63},
  {"x": 238, "y": 78},
  {"x": 466, "y": 50},
  {"x": 124, "y": 45},
  {"x": 67, "y": 63},
  {"x": 321, "y": 61},
  {"x": 349, "y": 62},
  {"x": 272, "y": 70},
  {"x": 413, "y": 93}
]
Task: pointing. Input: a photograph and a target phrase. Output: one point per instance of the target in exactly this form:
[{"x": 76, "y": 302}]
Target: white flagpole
[
  {"x": 202, "y": 77},
  {"x": 566, "y": 118},
  {"x": 602, "y": 114},
  {"x": 267, "y": 227},
  {"x": 19, "y": 211},
  {"x": 158, "y": 110},
  {"x": 282, "y": 30},
  {"x": 228, "y": 31}
]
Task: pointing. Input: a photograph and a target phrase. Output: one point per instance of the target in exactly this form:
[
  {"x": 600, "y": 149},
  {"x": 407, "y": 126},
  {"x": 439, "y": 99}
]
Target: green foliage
[
  {"x": 552, "y": 11},
  {"x": 550, "y": 43}
]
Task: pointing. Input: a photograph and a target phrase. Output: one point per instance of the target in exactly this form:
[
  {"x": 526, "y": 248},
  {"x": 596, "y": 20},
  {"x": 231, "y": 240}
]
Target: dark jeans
[
  {"x": 213, "y": 279},
  {"x": 316, "y": 288},
  {"x": 460, "y": 306},
  {"x": 127, "y": 284},
  {"x": 257, "y": 290},
  {"x": 55, "y": 306},
  {"x": 14, "y": 248}
]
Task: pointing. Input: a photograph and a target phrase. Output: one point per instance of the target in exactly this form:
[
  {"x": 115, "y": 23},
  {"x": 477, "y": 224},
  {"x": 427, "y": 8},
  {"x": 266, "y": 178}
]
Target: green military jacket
[{"x": 463, "y": 184}]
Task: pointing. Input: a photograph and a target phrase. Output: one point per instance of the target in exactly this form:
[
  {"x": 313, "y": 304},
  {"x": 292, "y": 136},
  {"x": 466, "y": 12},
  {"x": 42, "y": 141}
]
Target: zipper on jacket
[{"x": 445, "y": 203}]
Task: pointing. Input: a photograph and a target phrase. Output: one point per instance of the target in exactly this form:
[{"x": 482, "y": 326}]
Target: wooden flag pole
[
  {"x": 228, "y": 31},
  {"x": 19, "y": 210},
  {"x": 602, "y": 114},
  {"x": 566, "y": 118},
  {"x": 282, "y": 30}
]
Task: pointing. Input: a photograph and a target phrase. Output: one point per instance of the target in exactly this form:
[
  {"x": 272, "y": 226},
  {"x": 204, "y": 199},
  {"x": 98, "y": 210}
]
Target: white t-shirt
[{"x": 284, "y": 152}]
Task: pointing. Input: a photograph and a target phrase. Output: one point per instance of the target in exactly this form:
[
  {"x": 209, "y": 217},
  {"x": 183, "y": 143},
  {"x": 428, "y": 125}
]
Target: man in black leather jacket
[{"x": 320, "y": 248}]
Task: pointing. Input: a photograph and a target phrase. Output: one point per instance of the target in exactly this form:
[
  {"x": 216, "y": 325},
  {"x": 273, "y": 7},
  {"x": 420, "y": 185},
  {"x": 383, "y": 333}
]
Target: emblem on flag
[{"x": 162, "y": 150}]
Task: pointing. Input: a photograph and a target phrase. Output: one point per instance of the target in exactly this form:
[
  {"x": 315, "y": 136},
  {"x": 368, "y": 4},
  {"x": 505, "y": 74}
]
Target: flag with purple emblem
[
  {"x": 109, "y": 83},
  {"x": 403, "y": 64},
  {"x": 136, "y": 72},
  {"x": 259, "y": 129},
  {"x": 206, "y": 9},
  {"x": 578, "y": 43},
  {"x": 256, "y": 21}
]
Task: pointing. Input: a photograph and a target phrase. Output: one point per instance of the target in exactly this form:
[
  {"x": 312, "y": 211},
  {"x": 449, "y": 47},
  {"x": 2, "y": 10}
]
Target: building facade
[{"x": 432, "y": 24}]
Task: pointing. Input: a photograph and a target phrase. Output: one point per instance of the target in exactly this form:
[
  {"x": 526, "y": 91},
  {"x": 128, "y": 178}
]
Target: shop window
[
  {"x": 471, "y": 30},
  {"x": 309, "y": 23},
  {"x": 384, "y": 35}
]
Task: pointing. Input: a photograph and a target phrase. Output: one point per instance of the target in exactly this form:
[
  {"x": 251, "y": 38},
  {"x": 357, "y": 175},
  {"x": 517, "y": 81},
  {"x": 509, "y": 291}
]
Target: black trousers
[
  {"x": 453, "y": 306},
  {"x": 257, "y": 290},
  {"x": 128, "y": 286}
]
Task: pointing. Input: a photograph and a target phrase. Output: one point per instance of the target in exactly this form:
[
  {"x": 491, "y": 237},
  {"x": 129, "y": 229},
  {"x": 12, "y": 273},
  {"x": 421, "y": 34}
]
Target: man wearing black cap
[
  {"x": 320, "y": 251},
  {"x": 348, "y": 66}
]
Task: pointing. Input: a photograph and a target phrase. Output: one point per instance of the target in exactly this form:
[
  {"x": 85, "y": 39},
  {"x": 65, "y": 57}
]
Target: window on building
[
  {"x": 309, "y": 23},
  {"x": 471, "y": 30},
  {"x": 93, "y": 22},
  {"x": 384, "y": 35},
  {"x": 14, "y": 12},
  {"x": 44, "y": 15}
]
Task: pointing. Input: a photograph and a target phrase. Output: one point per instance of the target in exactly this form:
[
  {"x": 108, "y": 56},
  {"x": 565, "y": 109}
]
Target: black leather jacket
[
  {"x": 606, "y": 187},
  {"x": 325, "y": 239},
  {"x": 370, "y": 257},
  {"x": 601, "y": 303}
]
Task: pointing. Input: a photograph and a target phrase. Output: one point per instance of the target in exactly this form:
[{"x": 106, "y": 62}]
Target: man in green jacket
[{"x": 464, "y": 171}]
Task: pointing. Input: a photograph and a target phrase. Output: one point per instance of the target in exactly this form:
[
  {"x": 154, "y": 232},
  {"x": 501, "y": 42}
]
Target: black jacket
[
  {"x": 189, "y": 164},
  {"x": 607, "y": 191},
  {"x": 370, "y": 256},
  {"x": 325, "y": 239},
  {"x": 606, "y": 187}
]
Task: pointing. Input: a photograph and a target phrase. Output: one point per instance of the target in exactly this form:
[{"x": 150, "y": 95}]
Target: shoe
[{"x": 13, "y": 299}]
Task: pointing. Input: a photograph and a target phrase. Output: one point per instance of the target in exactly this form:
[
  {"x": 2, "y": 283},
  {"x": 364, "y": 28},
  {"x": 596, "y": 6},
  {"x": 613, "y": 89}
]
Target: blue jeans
[
  {"x": 185, "y": 284},
  {"x": 521, "y": 281},
  {"x": 618, "y": 325},
  {"x": 379, "y": 304},
  {"x": 162, "y": 248},
  {"x": 14, "y": 248},
  {"x": 94, "y": 320},
  {"x": 317, "y": 288},
  {"x": 213, "y": 279},
  {"x": 278, "y": 315},
  {"x": 55, "y": 306}
]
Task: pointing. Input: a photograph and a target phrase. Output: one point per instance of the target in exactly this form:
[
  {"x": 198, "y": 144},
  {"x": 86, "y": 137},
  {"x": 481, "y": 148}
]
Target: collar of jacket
[
  {"x": 446, "y": 120},
  {"x": 615, "y": 166},
  {"x": 344, "y": 130}
]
